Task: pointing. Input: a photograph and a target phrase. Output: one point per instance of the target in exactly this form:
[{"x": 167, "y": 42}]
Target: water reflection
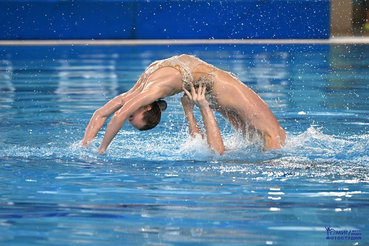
[
  {"x": 88, "y": 76},
  {"x": 347, "y": 82},
  {"x": 309, "y": 71},
  {"x": 272, "y": 77},
  {"x": 7, "y": 88}
]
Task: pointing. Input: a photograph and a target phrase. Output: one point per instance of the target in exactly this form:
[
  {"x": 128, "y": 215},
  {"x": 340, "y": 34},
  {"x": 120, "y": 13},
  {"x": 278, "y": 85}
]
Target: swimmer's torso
[
  {"x": 221, "y": 86},
  {"x": 225, "y": 92},
  {"x": 192, "y": 70}
]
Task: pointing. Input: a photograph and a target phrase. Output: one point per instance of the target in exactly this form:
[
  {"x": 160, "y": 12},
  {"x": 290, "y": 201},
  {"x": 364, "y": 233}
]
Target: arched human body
[{"x": 223, "y": 92}]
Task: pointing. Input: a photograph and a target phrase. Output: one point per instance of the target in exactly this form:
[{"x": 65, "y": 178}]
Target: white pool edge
[{"x": 128, "y": 42}]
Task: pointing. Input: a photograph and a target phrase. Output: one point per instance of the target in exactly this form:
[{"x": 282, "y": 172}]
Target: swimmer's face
[{"x": 136, "y": 119}]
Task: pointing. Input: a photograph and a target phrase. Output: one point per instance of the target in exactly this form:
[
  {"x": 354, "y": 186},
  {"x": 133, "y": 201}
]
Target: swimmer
[{"x": 205, "y": 86}]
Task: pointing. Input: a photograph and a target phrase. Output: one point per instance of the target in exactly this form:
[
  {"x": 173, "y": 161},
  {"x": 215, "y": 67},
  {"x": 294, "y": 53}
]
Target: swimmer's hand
[
  {"x": 101, "y": 151},
  {"x": 84, "y": 144},
  {"x": 197, "y": 96},
  {"x": 187, "y": 104}
]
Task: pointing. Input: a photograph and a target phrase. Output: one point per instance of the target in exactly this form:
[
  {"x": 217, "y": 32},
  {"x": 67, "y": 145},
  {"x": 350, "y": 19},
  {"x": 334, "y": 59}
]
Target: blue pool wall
[{"x": 160, "y": 19}]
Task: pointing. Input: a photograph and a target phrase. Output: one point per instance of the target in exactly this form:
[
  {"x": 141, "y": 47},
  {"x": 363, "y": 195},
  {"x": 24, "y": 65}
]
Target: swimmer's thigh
[{"x": 233, "y": 95}]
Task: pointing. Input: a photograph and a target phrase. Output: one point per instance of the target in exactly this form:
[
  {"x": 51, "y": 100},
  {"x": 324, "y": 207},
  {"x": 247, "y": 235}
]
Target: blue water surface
[{"x": 162, "y": 188}]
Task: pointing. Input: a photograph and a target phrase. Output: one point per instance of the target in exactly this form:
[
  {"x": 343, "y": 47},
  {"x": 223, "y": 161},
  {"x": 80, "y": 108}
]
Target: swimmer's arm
[
  {"x": 99, "y": 117},
  {"x": 119, "y": 118},
  {"x": 192, "y": 123},
  {"x": 213, "y": 136},
  {"x": 102, "y": 114}
]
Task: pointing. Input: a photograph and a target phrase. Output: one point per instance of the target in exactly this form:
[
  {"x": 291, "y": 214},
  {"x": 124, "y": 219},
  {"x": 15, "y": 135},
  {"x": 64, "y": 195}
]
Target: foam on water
[{"x": 310, "y": 154}]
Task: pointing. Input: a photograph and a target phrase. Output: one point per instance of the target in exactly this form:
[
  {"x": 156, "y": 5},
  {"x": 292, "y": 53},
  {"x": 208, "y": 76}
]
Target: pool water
[{"x": 162, "y": 188}]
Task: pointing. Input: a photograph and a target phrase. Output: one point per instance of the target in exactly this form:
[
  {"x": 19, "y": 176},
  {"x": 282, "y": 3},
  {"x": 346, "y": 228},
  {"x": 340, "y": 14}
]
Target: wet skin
[{"x": 226, "y": 94}]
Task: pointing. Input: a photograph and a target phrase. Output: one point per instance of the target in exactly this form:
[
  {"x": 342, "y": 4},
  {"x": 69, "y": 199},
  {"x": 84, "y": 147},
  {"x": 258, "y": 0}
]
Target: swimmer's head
[{"x": 147, "y": 117}]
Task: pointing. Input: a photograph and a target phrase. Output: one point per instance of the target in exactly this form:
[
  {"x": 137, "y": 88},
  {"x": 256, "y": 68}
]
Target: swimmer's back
[{"x": 200, "y": 70}]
